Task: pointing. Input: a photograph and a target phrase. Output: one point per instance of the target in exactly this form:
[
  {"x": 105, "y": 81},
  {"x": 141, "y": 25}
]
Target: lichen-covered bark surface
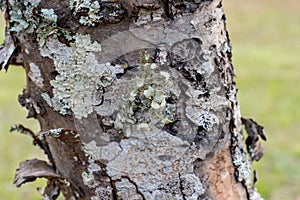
[{"x": 136, "y": 99}]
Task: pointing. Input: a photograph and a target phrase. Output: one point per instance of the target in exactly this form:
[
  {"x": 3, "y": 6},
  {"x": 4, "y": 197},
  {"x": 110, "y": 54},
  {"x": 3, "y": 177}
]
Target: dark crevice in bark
[
  {"x": 114, "y": 188},
  {"x": 167, "y": 11},
  {"x": 136, "y": 187},
  {"x": 181, "y": 188}
]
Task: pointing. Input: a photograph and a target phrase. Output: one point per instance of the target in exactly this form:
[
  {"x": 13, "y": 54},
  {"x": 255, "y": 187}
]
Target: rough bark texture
[{"x": 136, "y": 99}]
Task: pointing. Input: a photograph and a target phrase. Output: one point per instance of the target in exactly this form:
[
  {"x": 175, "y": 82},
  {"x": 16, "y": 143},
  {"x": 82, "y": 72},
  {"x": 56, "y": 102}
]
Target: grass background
[{"x": 265, "y": 36}]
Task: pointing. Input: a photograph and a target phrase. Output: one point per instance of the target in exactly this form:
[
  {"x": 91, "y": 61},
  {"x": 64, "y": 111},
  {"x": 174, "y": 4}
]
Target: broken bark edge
[
  {"x": 7, "y": 51},
  {"x": 30, "y": 170}
]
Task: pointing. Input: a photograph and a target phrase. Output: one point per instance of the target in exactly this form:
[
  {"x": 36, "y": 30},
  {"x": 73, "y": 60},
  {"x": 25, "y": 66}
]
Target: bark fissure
[
  {"x": 114, "y": 189},
  {"x": 136, "y": 187},
  {"x": 181, "y": 188}
]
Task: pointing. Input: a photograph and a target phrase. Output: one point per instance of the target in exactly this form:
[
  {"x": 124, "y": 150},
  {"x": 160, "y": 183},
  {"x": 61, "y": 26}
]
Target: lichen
[
  {"x": 92, "y": 17},
  {"x": 240, "y": 159},
  {"x": 49, "y": 15},
  {"x": 28, "y": 17},
  {"x": 3, "y": 6},
  {"x": 35, "y": 75},
  {"x": 79, "y": 75},
  {"x": 55, "y": 132},
  {"x": 202, "y": 118},
  {"x": 87, "y": 177},
  {"x": 25, "y": 17},
  {"x": 146, "y": 100}
]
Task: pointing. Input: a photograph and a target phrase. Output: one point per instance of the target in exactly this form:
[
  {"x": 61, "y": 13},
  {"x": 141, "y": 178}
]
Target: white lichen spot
[
  {"x": 201, "y": 117},
  {"x": 35, "y": 75},
  {"x": 34, "y": 3},
  {"x": 47, "y": 98},
  {"x": 206, "y": 68},
  {"x": 55, "y": 132},
  {"x": 241, "y": 161},
  {"x": 87, "y": 178},
  {"x": 165, "y": 74},
  {"x": 75, "y": 158},
  {"x": 67, "y": 183}
]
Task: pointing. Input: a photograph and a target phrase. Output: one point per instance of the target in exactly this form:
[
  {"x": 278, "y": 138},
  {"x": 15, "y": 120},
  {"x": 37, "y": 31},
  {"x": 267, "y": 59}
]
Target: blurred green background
[
  {"x": 265, "y": 36},
  {"x": 14, "y": 147}
]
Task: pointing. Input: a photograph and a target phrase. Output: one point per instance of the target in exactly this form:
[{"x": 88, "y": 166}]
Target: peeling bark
[{"x": 136, "y": 99}]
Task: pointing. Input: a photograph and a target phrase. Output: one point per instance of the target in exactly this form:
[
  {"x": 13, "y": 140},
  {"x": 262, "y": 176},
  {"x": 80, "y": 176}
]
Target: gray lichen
[
  {"x": 87, "y": 177},
  {"x": 145, "y": 100},
  {"x": 79, "y": 75},
  {"x": 146, "y": 16},
  {"x": 201, "y": 117},
  {"x": 49, "y": 15},
  {"x": 25, "y": 18},
  {"x": 35, "y": 75},
  {"x": 126, "y": 190},
  {"x": 145, "y": 103},
  {"x": 240, "y": 159},
  {"x": 92, "y": 17}
]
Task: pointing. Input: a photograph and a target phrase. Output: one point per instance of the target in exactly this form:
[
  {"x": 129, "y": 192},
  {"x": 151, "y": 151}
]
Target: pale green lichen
[
  {"x": 49, "y": 15},
  {"x": 146, "y": 104},
  {"x": 92, "y": 16},
  {"x": 18, "y": 21},
  {"x": 29, "y": 18},
  {"x": 87, "y": 178},
  {"x": 79, "y": 75},
  {"x": 23, "y": 16}
]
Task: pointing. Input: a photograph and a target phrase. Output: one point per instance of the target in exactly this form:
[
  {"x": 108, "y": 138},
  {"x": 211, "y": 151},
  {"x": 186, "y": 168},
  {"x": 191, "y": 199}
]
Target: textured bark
[{"x": 135, "y": 99}]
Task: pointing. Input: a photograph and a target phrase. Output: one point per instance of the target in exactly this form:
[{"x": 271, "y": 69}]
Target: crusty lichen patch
[
  {"x": 143, "y": 102},
  {"x": 79, "y": 75}
]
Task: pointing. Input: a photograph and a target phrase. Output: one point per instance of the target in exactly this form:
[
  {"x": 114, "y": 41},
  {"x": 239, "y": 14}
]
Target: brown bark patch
[{"x": 221, "y": 181}]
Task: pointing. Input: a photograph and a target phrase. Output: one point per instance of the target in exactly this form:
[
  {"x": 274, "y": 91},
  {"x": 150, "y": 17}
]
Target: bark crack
[
  {"x": 136, "y": 187},
  {"x": 114, "y": 188},
  {"x": 181, "y": 188}
]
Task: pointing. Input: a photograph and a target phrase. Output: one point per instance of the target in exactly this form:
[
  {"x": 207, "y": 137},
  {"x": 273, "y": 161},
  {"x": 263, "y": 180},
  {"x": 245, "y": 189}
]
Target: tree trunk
[{"x": 135, "y": 99}]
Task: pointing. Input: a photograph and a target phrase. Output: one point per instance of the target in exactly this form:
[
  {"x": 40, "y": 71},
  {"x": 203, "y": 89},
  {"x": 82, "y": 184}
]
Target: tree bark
[{"x": 135, "y": 99}]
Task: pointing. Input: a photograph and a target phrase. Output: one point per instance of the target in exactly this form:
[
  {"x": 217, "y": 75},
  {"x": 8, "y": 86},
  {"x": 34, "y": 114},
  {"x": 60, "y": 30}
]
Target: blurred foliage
[
  {"x": 265, "y": 40},
  {"x": 14, "y": 147},
  {"x": 265, "y": 36}
]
